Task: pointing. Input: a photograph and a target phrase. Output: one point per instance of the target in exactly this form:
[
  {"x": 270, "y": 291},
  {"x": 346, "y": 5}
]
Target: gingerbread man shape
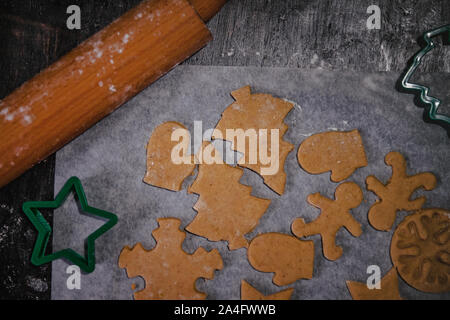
[
  {"x": 395, "y": 195},
  {"x": 334, "y": 215}
]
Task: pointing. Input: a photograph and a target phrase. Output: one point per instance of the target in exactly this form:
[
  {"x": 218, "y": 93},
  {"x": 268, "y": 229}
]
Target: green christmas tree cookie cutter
[
  {"x": 31, "y": 209},
  {"x": 433, "y": 102}
]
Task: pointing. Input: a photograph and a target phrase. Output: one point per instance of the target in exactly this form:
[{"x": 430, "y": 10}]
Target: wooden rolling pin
[{"x": 96, "y": 77}]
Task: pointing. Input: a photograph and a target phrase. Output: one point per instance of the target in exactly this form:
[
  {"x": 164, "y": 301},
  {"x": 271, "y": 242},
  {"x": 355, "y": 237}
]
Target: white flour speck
[
  {"x": 37, "y": 284},
  {"x": 98, "y": 53},
  {"x": 112, "y": 88},
  {"x": 27, "y": 120},
  {"x": 314, "y": 59}
]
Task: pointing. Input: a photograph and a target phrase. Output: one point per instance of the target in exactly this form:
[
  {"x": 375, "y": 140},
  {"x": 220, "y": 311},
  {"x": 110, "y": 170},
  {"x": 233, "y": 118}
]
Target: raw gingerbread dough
[
  {"x": 339, "y": 152},
  {"x": 226, "y": 210},
  {"x": 168, "y": 271},
  {"x": 161, "y": 170},
  {"x": 396, "y": 194},
  {"x": 258, "y": 111},
  {"x": 420, "y": 250},
  {"x": 288, "y": 257},
  {"x": 334, "y": 215},
  {"x": 388, "y": 288},
  {"x": 248, "y": 292}
]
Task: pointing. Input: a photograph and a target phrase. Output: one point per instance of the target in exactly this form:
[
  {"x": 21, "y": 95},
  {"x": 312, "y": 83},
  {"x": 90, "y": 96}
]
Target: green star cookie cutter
[
  {"x": 38, "y": 257},
  {"x": 433, "y": 102}
]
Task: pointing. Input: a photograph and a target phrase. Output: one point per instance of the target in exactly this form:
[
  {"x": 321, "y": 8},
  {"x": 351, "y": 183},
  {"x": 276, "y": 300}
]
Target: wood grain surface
[{"x": 328, "y": 34}]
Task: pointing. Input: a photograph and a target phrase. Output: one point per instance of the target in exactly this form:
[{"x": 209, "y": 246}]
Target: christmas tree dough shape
[
  {"x": 168, "y": 271},
  {"x": 334, "y": 215},
  {"x": 226, "y": 210},
  {"x": 248, "y": 292},
  {"x": 396, "y": 194},
  {"x": 161, "y": 170},
  {"x": 255, "y": 112},
  {"x": 339, "y": 152},
  {"x": 420, "y": 250},
  {"x": 288, "y": 257},
  {"x": 388, "y": 288}
]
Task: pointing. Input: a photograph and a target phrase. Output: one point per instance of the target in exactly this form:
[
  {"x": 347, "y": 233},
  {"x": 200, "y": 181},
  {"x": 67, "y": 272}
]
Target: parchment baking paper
[{"x": 110, "y": 161}]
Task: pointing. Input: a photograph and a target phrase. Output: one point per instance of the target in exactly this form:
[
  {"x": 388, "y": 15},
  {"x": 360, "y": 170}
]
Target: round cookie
[{"x": 420, "y": 250}]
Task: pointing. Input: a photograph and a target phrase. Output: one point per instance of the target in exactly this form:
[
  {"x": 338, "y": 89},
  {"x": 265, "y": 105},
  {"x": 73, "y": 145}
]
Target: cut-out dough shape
[
  {"x": 388, "y": 289},
  {"x": 248, "y": 292},
  {"x": 396, "y": 194},
  {"x": 162, "y": 171},
  {"x": 334, "y": 215},
  {"x": 289, "y": 258},
  {"x": 255, "y": 112},
  {"x": 168, "y": 271},
  {"x": 339, "y": 152},
  {"x": 226, "y": 210},
  {"x": 420, "y": 250}
]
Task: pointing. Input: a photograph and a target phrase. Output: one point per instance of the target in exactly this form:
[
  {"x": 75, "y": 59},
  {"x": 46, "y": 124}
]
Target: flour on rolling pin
[{"x": 98, "y": 76}]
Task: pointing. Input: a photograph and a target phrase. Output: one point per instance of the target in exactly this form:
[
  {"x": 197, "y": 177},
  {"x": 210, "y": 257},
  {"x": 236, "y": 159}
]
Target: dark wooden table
[{"x": 328, "y": 34}]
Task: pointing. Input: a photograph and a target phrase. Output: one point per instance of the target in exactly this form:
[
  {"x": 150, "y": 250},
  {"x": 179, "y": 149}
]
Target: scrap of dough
[
  {"x": 339, "y": 152},
  {"x": 420, "y": 250},
  {"x": 258, "y": 111},
  {"x": 334, "y": 215},
  {"x": 396, "y": 194},
  {"x": 168, "y": 271},
  {"x": 226, "y": 210},
  {"x": 388, "y": 289},
  {"x": 288, "y": 257},
  {"x": 161, "y": 170},
  {"x": 248, "y": 292}
]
